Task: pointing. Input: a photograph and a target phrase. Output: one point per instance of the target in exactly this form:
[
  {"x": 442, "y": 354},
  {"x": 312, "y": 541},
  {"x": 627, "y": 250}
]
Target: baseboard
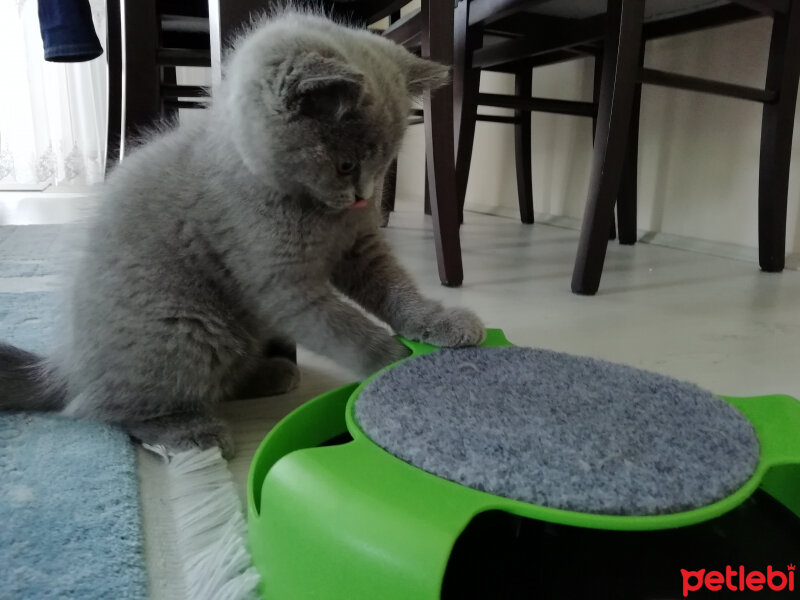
[
  {"x": 23, "y": 187},
  {"x": 655, "y": 238}
]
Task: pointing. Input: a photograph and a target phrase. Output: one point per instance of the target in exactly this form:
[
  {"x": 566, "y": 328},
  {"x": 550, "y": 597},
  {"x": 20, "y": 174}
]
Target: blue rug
[
  {"x": 69, "y": 502},
  {"x": 27, "y": 320},
  {"x": 34, "y": 250}
]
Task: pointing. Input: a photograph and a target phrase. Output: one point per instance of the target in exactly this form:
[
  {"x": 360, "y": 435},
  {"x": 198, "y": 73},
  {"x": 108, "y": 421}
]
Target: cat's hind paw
[
  {"x": 275, "y": 375},
  {"x": 176, "y": 433}
]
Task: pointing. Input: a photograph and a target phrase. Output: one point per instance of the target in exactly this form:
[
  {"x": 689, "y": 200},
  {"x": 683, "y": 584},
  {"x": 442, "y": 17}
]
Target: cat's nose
[{"x": 365, "y": 188}]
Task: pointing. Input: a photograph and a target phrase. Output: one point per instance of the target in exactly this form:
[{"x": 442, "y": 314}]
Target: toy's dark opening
[
  {"x": 503, "y": 556},
  {"x": 338, "y": 439}
]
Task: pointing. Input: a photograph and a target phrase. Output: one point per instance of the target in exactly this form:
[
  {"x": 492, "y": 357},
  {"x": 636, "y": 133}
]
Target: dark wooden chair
[
  {"x": 430, "y": 32},
  {"x": 547, "y": 31},
  {"x": 158, "y": 37}
]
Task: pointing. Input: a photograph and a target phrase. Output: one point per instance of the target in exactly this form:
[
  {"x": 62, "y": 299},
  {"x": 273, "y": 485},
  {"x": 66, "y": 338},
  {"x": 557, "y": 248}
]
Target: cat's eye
[{"x": 345, "y": 168}]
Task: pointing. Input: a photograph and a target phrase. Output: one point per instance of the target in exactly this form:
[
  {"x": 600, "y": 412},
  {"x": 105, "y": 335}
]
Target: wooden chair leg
[
  {"x": 598, "y": 73},
  {"x": 168, "y": 76},
  {"x": 427, "y": 204},
  {"x": 627, "y": 196},
  {"x": 522, "y": 144},
  {"x": 391, "y": 186},
  {"x": 466, "y": 85},
  {"x": 115, "y": 104},
  {"x": 777, "y": 123},
  {"x": 142, "y": 97},
  {"x": 622, "y": 43},
  {"x": 437, "y": 45},
  {"x": 389, "y": 193}
]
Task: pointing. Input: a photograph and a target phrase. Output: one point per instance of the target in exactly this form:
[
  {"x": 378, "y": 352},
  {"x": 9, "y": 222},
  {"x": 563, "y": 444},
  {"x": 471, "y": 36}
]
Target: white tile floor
[{"x": 717, "y": 322}]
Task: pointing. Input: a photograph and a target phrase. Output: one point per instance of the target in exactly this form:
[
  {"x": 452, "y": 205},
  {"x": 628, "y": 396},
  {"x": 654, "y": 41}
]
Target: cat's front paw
[
  {"x": 383, "y": 352},
  {"x": 449, "y": 327}
]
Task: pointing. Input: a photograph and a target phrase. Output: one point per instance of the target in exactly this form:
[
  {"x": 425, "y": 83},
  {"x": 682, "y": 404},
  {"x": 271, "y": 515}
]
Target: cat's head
[{"x": 320, "y": 109}]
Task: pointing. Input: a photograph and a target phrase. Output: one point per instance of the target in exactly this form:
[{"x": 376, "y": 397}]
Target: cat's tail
[{"x": 26, "y": 383}]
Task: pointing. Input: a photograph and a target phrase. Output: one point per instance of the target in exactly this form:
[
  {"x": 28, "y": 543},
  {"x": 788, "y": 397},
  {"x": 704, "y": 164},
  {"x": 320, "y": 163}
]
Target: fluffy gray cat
[{"x": 218, "y": 242}]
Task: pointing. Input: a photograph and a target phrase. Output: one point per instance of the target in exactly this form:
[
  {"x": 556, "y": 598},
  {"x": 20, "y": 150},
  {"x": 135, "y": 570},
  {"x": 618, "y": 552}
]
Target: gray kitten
[{"x": 241, "y": 233}]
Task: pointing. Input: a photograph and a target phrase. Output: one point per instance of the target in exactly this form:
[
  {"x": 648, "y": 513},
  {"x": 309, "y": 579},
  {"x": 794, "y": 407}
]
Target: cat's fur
[{"x": 217, "y": 239}]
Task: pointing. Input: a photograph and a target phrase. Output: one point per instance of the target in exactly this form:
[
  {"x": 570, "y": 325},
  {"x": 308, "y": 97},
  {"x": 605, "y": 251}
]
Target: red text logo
[{"x": 738, "y": 580}]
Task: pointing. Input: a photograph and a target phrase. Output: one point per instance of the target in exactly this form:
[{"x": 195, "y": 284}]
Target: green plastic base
[{"x": 350, "y": 521}]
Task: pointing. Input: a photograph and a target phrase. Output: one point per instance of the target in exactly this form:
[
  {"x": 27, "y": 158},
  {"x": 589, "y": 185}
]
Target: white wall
[{"x": 698, "y": 154}]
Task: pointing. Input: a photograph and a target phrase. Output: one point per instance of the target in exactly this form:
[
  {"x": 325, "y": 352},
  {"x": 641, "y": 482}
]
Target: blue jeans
[{"x": 68, "y": 31}]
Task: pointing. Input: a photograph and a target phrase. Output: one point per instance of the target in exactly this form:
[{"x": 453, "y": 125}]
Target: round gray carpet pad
[{"x": 561, "y": 431}]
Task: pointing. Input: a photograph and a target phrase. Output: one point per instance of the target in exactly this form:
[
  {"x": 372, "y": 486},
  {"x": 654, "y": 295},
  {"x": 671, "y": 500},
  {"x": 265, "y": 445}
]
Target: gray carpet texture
[{"x": 561, "y": 431}]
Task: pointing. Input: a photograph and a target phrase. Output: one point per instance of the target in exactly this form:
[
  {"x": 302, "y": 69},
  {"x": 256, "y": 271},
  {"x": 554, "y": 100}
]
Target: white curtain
[{"x": 52, "y": 115}]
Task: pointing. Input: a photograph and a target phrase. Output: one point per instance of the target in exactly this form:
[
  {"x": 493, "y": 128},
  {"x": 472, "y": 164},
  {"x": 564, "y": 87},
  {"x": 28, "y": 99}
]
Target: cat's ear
[
  {"x": 424, "y": 74},
  {"x": 325, "y": 87}
]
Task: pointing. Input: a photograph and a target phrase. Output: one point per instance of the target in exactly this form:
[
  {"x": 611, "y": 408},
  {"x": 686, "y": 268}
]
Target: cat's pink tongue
[{"x": 359, "y": 203}]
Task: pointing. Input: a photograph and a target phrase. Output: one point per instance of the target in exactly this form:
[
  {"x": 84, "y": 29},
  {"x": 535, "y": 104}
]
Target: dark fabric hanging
[{"x": 67, "y": 30}]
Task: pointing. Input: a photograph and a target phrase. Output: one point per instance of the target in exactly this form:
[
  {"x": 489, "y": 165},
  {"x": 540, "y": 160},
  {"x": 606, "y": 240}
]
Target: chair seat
[{"x": 654, "y": 9}]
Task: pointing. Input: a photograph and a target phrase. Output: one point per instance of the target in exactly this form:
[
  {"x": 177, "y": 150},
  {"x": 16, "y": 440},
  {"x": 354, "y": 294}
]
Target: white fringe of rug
[{"x": 210, "y": 527}]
